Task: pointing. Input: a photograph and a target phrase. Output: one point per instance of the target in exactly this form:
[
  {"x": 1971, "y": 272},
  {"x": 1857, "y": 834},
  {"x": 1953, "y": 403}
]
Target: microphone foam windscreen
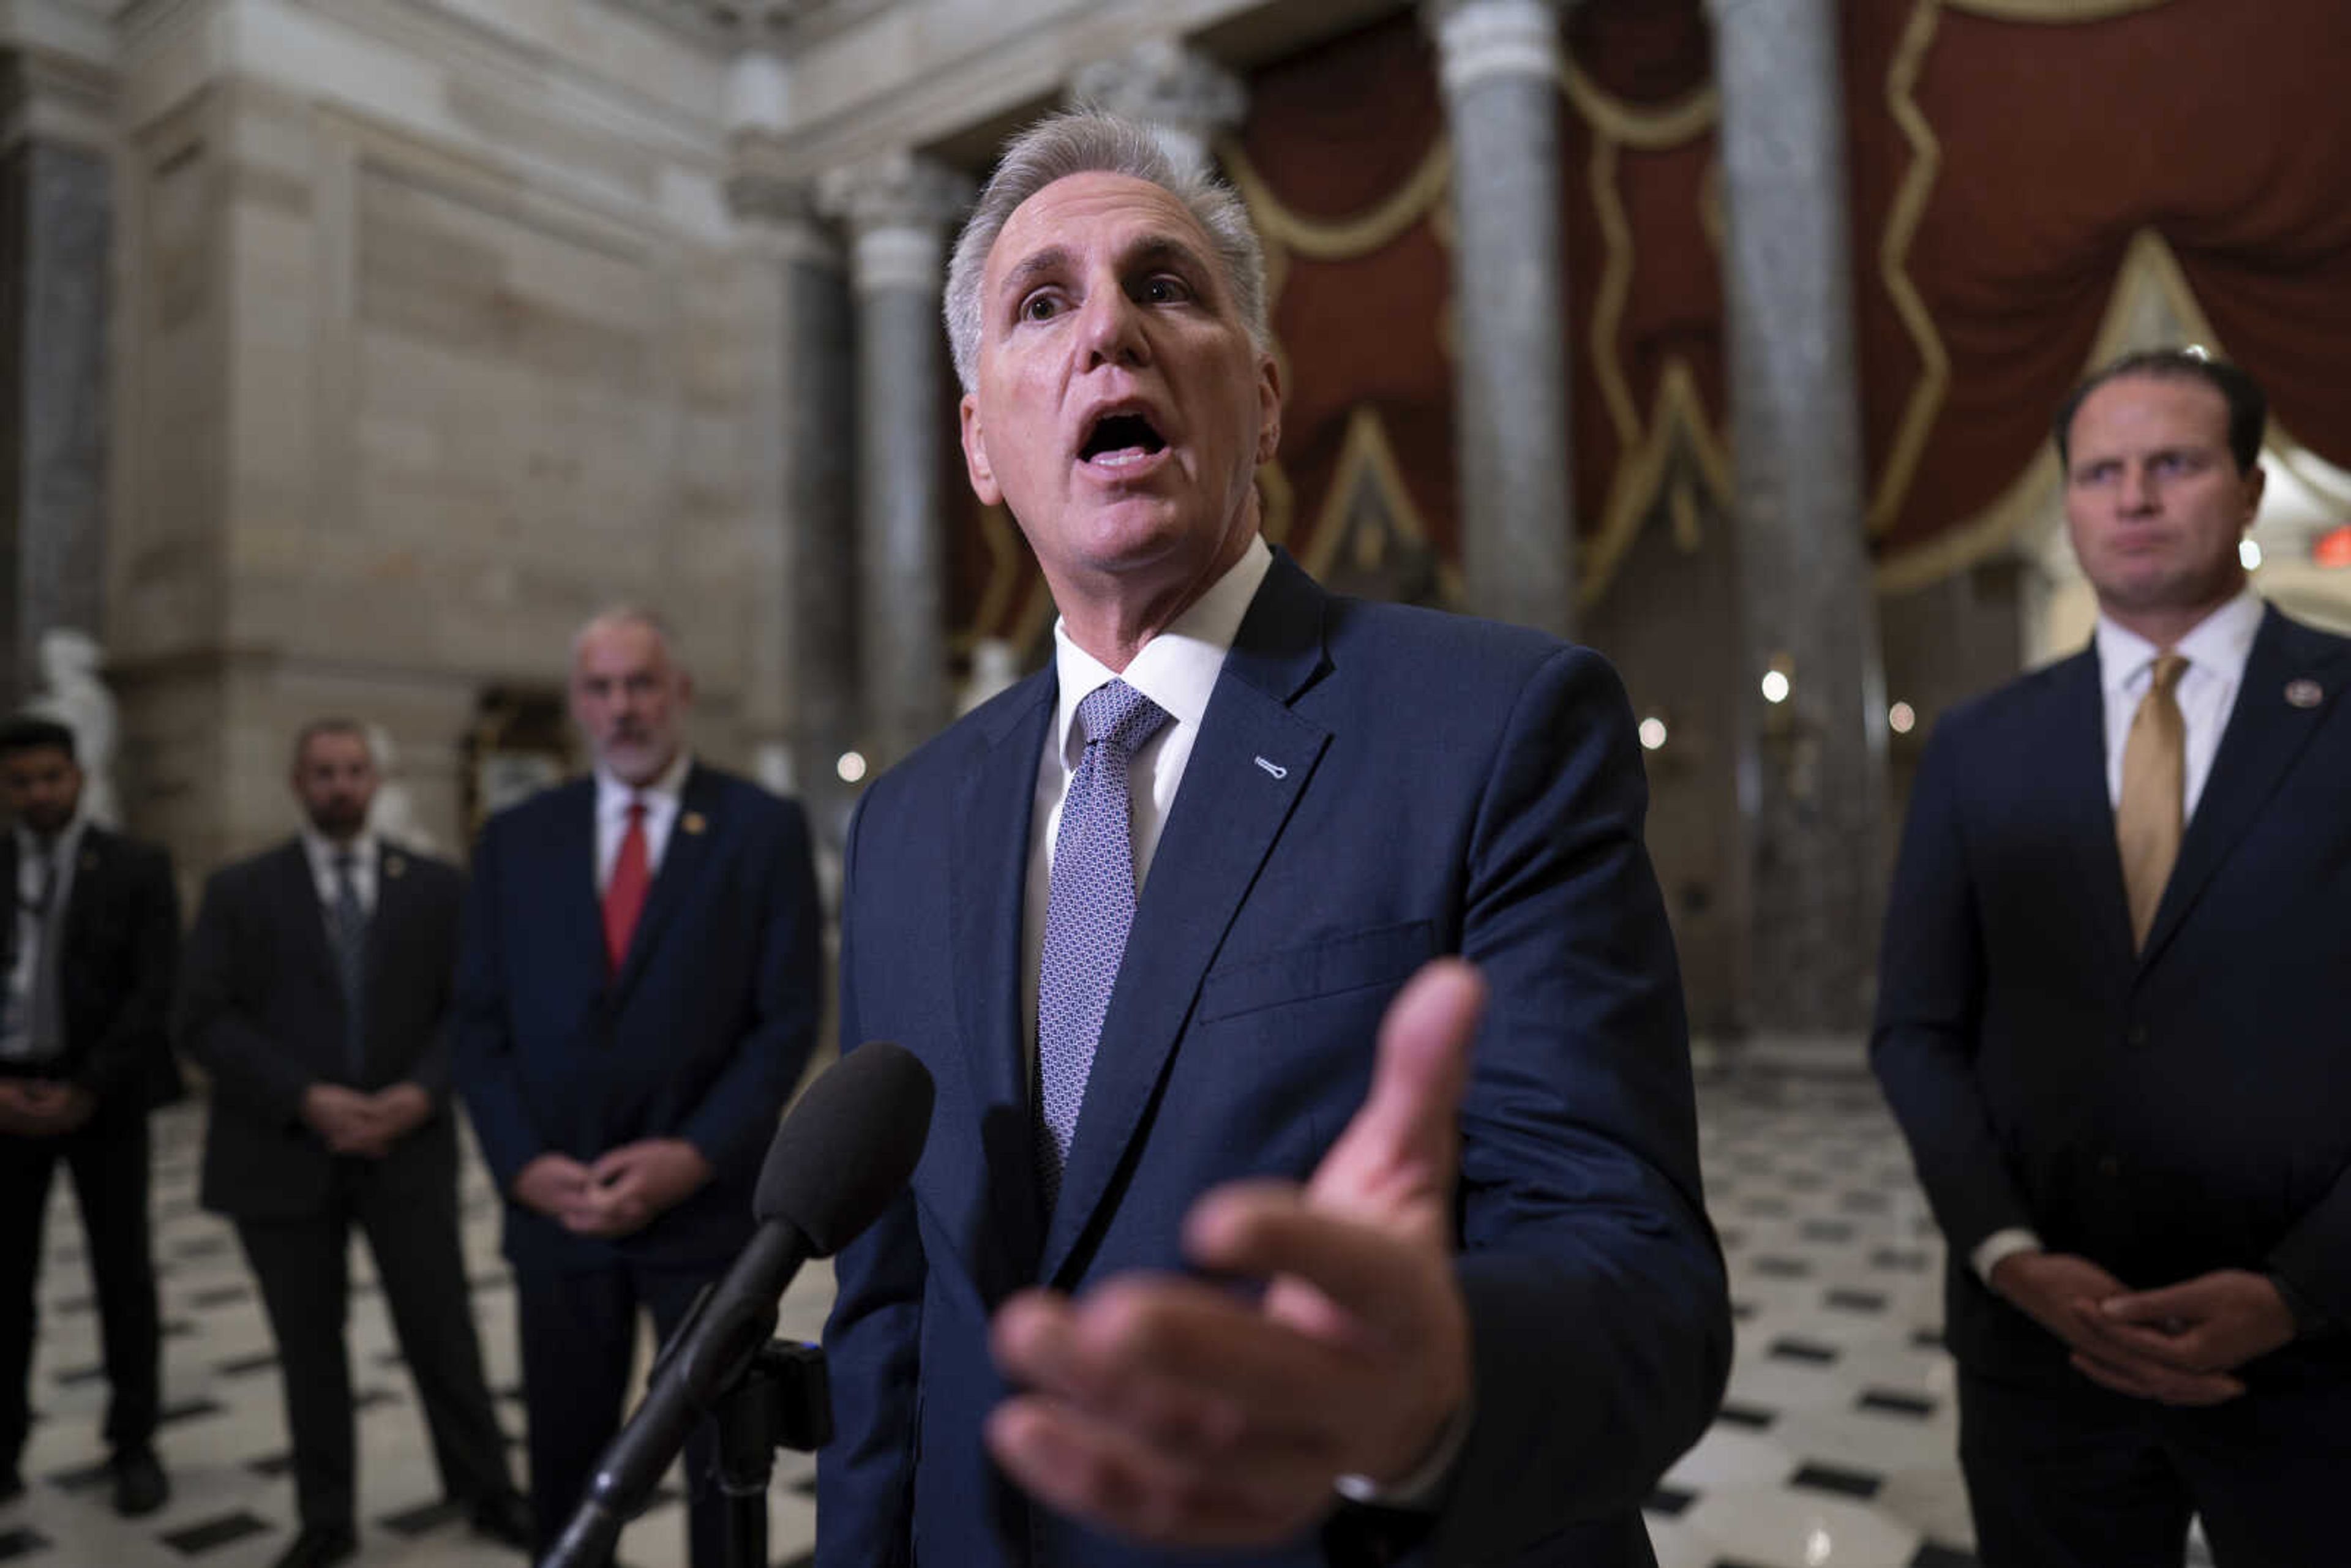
[{"x": 847, "y": 1146}]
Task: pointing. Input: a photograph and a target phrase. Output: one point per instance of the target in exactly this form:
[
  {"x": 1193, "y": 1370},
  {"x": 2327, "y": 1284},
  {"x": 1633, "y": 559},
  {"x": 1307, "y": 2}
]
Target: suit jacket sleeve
[
  {"x": 118, "y": 1060},
  {"x": 735, "y": 1120},
  {"x": 481, "y": 1038},
  {"x": 865, "y": 1486},
  {"x": 1599, "y": 1308},
  {"x": 430, "y": 1071},
  {"x": 1931, "y": 992},
  {"x": 2315, "y": 1258},
  {"x": 215, "y": 1025}
]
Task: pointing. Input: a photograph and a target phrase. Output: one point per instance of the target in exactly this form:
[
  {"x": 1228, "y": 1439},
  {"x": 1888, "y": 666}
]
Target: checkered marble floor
[{"x": 1835, "y": 1446}]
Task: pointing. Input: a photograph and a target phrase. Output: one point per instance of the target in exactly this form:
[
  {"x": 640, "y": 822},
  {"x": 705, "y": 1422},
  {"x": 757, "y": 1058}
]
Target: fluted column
[
  {"x": 1184, "y": 96},
  {"x": 56, "y": 222},
  {"x": 897, "y": 208},
  {"x": 1498, "y": 60},
  {"x": 802, "y": 444},
  {"x": 1813, "y": 761}
]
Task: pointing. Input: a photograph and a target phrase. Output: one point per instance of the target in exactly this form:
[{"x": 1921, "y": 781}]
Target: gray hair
[
  {"x": 1091, "y": 141},
  {"x": 627, "y": 614}
]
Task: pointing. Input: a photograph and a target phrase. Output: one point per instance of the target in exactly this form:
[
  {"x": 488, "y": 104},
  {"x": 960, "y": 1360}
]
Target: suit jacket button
[
  {"x": 2135, "y": 1034},
  {"x": 2110, "y": 1168}
]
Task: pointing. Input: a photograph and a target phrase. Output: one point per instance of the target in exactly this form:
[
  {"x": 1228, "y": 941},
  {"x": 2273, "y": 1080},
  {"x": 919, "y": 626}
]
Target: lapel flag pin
[
  {"x": 1273, "y": 770},
  {"x": 394, "y": 865},
  {"x": 694, "y": 822},
  {"x": 2305, "y": 694}
]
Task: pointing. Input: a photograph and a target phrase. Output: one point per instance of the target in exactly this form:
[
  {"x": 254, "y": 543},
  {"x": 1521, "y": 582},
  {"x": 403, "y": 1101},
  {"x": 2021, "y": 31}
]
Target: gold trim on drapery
[
  {"x": 1364, "y": 454},
  {"x": 1926, "y": 400},
  {"x": 2058, "y": 11}
]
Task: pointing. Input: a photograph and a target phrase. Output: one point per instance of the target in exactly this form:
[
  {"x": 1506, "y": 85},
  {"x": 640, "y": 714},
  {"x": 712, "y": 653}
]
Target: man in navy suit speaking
[
  {"x": 2112, "y": 1022},
  {"x": 638, "y": 987},
  {"x": 1314, "y": 1167}
]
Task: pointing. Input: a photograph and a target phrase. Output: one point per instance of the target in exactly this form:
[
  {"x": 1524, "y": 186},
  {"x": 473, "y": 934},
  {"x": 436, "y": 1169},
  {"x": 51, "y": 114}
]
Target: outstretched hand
[{"x": 1184, "y": 1413}]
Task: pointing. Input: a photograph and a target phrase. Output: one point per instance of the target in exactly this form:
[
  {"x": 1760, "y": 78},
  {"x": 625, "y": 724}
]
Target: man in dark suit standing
[
  {"x": 317, "y": 995},
  {"x": 638, "y": 993},
  {"x": 1144, "y": 917},
  {"x": 2112, "y": 1024},
  {"x": 85, "y": 1054}
]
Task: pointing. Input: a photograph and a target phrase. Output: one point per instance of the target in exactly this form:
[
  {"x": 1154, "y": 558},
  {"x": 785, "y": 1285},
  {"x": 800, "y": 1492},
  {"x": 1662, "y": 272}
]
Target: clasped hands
[
  {"x": 43, "y": 1107},
  {"x": 2178, "y": 1345},
  {"x": 620, "y": 1191},
  {"x": 1190, "y": 1413},
  {"x": 368, "y": 1125}
]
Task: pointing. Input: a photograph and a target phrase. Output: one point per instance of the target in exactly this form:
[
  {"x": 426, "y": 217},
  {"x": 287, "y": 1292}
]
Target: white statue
[
  {"x": 394, "y": 814},
  {"x": 77, "y": 698},
  {"x": 995, "y": 667}
]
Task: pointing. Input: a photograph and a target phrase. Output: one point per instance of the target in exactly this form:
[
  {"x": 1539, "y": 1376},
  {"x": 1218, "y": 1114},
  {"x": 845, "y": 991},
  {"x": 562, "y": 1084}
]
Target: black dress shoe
[
  {"x": 315, "y": 1548},
  {"x": 139, "y": 1484},
  {"x": 504, "y": 1518}
]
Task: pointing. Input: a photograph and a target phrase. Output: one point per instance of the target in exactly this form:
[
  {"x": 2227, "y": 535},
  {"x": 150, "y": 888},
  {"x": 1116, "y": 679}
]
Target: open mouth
[{"x": 1118, "y": 439}]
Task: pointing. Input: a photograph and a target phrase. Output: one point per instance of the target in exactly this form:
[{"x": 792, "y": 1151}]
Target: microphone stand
[
  {"x": 782, "y": 1401},
  {"x": 777, "y": 1398}
]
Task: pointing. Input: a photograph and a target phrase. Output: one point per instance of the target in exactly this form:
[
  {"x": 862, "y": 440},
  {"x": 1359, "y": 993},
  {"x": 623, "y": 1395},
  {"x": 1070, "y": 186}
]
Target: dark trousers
[
  {"x": 108, "y": 1157},
  {"x": 2079, "y": 1478},
  {"x": 578, "y": 1333},
  {"x": 303, "y": 1267}
]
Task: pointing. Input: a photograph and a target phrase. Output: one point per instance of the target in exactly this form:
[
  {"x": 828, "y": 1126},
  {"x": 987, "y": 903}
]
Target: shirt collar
[
  {"x": 28, "y": 844},
  {"x": 612, "y": 796},
  {"x": 2219, "y": 645},
  {"x": 1178, "y": 669},
  {"x": 323, "y": 849}
]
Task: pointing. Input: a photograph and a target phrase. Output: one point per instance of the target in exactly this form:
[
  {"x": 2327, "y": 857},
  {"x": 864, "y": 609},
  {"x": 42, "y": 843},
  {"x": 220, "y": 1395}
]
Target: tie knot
[
  {"x": 2170, "y": 666},
  {"x": 345, "y": 863},
  {"x": 636, "y": 810},
  {"x": 1119, "y": 717}
]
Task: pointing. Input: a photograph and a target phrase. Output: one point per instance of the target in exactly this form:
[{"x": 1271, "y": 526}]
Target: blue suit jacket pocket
[{"x": 1382, "y": 955}]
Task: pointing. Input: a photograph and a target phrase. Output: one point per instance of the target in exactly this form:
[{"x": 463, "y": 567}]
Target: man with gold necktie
[{"x": 2111, "y": 1023}]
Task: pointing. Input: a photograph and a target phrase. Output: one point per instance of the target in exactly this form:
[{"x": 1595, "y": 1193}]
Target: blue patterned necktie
[
  {"x": 350, "y": 958},
  {"x": 1087, "y": 914}
]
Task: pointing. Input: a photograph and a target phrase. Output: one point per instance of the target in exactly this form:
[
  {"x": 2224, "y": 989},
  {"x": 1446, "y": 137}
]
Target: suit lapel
[
  {"x": 577, "y": 902},
  {"x": 1249, "y": 766},
  {"x": 298, "y": 891},
  {"x": 2265, "y": 733},
  {"x": 681, "y": 864},
  {"x": 987, "y": 882},
  {"x": 2084, "y": 813}
]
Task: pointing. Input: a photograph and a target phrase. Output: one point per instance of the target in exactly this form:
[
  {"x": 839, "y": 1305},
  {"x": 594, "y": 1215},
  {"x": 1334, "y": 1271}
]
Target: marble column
[
  {"x": 803, "y": 442},
  {"x": 1812, "y": 764},
  {"x": 56, "y": 222},
  {"x": 1185, "y": 96},
  {"x": 1498, "y": 61},
  {"x": 897, "y": 208}
]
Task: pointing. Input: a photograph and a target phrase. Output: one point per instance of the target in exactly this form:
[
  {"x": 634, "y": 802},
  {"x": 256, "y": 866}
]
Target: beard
[{"x": 338, "y": 819}]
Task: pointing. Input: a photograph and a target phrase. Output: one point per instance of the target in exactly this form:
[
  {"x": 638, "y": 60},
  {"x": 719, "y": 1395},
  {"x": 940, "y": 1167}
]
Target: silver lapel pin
[
  {"x": 2304, "y": 693},
  {"x": 1274, "y": 769}
]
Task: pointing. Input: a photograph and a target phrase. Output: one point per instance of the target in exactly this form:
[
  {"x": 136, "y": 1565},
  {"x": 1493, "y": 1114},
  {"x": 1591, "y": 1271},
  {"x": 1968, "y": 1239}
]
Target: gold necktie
[{"x": 2155, "y": 772}]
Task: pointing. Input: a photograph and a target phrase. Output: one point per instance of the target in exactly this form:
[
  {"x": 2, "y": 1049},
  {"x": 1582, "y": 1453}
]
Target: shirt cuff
[
  {"x": 1420, "y": 1489},
  {"x": 2001, "y": 1244}
]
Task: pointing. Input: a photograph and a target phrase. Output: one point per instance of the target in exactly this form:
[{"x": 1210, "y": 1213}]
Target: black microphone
[{"x": 841, "y": 1154}]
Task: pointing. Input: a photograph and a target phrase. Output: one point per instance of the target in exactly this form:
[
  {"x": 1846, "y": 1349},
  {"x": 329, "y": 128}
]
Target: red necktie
[{"x": 624, "y": 895}]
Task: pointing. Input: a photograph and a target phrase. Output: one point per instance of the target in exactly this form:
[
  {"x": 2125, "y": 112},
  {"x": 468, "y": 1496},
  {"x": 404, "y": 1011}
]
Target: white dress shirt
[
  {"x": 1178, "y": 669},
  {"x": 323, "y": 852},
  {"x": 660, "y": 799},
  {"x": 33, "y": 861},
  {"x": 2216, "y": 650}
]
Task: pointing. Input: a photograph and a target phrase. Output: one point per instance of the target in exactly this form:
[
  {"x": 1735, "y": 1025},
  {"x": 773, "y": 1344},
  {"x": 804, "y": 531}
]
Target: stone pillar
[
  {"x": 897, "y": 208},
  {"x": 1185, "y": 96},
  {"x": 1812, "y": 764},
  {"x": 1500, "y": 64},
  {"x": 55, "y": 225},
  {"x": 803, "y": 442}
]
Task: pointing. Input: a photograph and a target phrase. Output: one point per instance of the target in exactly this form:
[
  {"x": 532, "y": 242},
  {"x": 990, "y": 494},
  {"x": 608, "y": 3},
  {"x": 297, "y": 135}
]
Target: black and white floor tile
[{"x": 1834, "y": 1447}]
